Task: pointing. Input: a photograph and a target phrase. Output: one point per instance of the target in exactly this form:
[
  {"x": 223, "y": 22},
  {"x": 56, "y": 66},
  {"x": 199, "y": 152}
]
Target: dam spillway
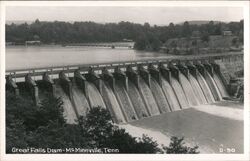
[{"x": 128, "y": 91}]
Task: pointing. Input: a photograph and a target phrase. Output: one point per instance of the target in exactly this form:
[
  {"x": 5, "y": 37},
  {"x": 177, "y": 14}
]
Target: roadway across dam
[{"x": 130, "y": 90}]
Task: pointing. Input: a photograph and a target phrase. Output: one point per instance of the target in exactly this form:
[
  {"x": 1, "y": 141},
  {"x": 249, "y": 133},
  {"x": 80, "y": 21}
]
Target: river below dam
[{"x": 214, "y": 127}]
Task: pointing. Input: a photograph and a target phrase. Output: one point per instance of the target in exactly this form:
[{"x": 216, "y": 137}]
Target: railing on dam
[{"x": 21, "y": 73}]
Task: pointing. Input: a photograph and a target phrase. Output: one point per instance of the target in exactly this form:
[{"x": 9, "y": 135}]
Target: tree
[
  {"x": 241, "y": 34},
  {"x": 37, "y": 21},
  {"x": 48, "y": 129},
  {"x": 205, "y": 37},
  {"x": 16, "y": 135},
  {"x": 141, "y": 43},
  {"x": 145, "y": 36},
  {"x": 210, "y": 28},
  {"x": 98, "y": 126},
  {"x": 235, "y": 42},
  {"x": 146, "y": 25},
  {"x": 36, "y": 37},
  {"x": 217, "y": 29},
  {"x": 126, "y": 143},
  {"x": 186, "y": 31},
  {"x": 28, "y": 125},
  {"x": 154, "y": 42},
  {"x": 177, "y": 146},
  {"x": 20, "y": 109}
]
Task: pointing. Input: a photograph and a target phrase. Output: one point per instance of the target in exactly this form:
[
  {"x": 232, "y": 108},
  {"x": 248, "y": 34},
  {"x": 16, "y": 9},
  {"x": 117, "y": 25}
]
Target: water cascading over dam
[
  {"x": 197, "y": 90},
  {"x": 159, "y": 96},
  {"x": 112, "y": 104},
  {"x": 170, "y": 95},
  {"x": 69, "y": 111},
  {"x": 129, "y": 92},
  {"x": 137, "y": 101},
  {"x": 81, "y": 103},
  {"x": 125, "y": 102}
]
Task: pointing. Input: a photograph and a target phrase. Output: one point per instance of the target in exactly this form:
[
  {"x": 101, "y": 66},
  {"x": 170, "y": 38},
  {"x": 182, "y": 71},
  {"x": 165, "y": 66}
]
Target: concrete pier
[
  {"x": 66, "y": 84},
  {"x": 184, "y": 69},
  {"x": 200, "y": 67},
  {"x": 165, "y": 72},
  {"x": 155, "y": 73},
  {"x": 144, "y": 73},
  {"x": 81, "y": 82},
  {"x": 174, "y": 71},
  {"x": 32, "y": 86},
  {"x": 208, "y": 67},
  {"x": 192, "y": 69},
  {"x": 67, "y": 87},
  {"x": 121, "y": 76},
  {"x": 49, "y": 83},
  {"x": 94, "y": 78},
  {"x": 108, "y": 77},
  {"x": 133, "y": 76},
  {"x": 217, "y": 70},
  {"x": 11, "y": 85}
]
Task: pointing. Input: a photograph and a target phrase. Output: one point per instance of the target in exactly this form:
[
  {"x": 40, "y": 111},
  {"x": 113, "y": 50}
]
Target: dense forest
[
  {"x": 43, "y": 126},
  {"x": 58, "y": 32}
]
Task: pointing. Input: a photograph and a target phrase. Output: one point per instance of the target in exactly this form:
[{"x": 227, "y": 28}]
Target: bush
[
  {"x": 104, "y": 134},
  {"x": 177, "y": 146}
]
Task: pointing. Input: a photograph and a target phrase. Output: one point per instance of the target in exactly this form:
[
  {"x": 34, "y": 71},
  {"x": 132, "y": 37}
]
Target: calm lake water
[{"x": 21, "y": 57}]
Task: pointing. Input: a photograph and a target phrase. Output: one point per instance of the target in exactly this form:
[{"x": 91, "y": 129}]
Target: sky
[{"x": 152, "y": 15}]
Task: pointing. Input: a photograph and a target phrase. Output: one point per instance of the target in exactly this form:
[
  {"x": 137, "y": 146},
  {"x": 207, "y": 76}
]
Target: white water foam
[{"x": 231, "y": 113}]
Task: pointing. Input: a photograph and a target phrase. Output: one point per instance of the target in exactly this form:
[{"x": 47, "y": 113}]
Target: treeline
[
  {"x": 81, "y": 32},
  {"x": 31, "y": 126}
]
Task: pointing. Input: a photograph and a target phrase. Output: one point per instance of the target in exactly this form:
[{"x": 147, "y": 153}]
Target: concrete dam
[{"x": 128, "y": 90}]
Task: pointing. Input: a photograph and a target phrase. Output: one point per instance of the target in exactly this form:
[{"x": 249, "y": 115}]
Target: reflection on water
[{"x": 21, "y": 57}]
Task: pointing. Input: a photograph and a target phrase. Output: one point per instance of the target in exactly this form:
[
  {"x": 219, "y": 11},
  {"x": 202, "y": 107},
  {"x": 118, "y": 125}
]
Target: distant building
[
  {"x": 37, "y": 42},
  {"x": 9, "y": 43},
  {"x": 227, "y": 33},
  {"x": 127, "y": 40}
]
